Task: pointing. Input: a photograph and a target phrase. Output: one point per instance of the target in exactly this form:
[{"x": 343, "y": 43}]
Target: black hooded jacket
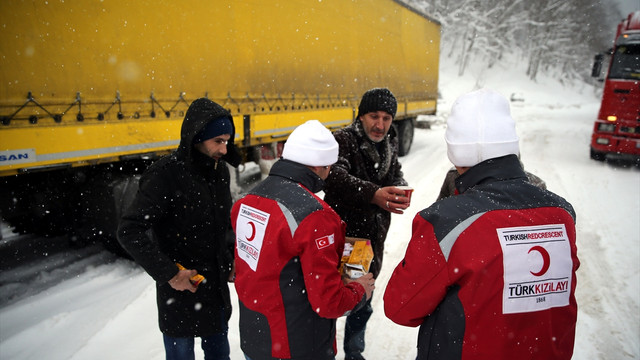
[{"x": 181, "y": 215}]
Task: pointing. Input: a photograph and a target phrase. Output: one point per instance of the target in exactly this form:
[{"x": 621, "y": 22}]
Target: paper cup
[{"x": 408, "y": 190}]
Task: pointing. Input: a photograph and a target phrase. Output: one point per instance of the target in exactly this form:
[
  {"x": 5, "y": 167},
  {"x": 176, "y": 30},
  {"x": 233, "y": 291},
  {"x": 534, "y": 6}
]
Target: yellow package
[
  {"x": 359, "y": 259},
  {"x": 195, "y": 279}
]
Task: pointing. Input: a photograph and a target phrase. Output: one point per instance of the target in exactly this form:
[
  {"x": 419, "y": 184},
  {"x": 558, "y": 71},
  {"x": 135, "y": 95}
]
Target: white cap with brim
[
  {"x": 479, "y": 128},
  {"x": 311, "y": 144}
]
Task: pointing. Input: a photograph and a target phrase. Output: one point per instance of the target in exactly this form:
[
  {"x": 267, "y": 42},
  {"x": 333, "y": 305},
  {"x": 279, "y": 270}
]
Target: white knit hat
[
  {"x": 311, "y": 144},
  {"x": 479, "y": 128}
]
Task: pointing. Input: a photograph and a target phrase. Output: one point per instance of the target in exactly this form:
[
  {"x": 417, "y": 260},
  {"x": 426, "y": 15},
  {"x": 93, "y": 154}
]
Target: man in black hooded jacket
[{"x": 181, "y": 215}]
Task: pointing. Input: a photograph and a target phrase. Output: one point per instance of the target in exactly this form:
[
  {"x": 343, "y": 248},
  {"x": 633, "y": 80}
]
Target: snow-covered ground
[{"x": 104, "y": 308}]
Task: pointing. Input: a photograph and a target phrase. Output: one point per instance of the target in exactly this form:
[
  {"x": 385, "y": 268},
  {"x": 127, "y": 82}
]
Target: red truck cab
[{"x": 616, "y": 132}]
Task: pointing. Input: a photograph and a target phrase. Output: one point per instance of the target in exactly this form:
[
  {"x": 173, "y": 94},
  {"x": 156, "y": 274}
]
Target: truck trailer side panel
[
  {"x": 91, "y": 88},
  {"x": 95, "y": 66}
]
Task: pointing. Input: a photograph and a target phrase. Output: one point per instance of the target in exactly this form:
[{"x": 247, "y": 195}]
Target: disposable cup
[{"x": 408, "y": 190}]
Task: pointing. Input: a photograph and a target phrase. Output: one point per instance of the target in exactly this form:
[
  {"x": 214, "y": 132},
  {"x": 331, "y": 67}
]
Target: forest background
[{"x": 556, "y": 37}]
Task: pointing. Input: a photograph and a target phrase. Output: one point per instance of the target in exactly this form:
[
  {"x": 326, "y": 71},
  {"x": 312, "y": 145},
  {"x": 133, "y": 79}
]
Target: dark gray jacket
[{"x": 361, "y": 170}]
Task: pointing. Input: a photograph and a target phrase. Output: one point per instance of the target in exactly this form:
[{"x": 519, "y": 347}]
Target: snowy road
[{"x": 104, "y": 308}]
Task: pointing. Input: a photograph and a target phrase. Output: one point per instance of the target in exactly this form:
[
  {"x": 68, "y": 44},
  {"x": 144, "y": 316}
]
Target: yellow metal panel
[
  {"x": 70, "y": 144},
  {"x": 268, "y": 59},
  {"x": 276, "y": 127},
  {"x": 422, "y": 107}
]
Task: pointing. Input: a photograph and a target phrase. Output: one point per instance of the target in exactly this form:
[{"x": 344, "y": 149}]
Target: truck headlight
[{"x": 602, "y": 141}]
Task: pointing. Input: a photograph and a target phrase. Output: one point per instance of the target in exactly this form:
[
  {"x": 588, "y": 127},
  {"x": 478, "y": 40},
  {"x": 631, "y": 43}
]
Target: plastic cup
[{"x": 408, "y": 190}]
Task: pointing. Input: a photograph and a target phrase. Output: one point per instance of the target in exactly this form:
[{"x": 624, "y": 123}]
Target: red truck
[{"x": 616, "y": 132}]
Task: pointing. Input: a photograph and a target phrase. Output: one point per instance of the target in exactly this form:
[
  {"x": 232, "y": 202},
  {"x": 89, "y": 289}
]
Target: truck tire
[
  {"x": 405, "y": 136},
  {"x": 597, "y": 155}
]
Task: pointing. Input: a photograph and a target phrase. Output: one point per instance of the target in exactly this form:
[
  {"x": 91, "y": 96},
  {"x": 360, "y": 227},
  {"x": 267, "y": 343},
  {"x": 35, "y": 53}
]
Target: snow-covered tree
[{"x": 559, "y": 37}]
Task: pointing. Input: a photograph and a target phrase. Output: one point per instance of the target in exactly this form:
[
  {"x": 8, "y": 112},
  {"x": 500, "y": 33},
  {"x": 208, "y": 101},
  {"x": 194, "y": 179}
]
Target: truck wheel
[
  {"x": 597, "y": 155},
  {"x": 405, "y": 136}
]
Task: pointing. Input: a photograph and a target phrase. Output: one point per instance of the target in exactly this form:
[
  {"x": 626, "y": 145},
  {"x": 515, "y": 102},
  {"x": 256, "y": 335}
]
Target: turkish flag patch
[{"x": 325, "y": 241}]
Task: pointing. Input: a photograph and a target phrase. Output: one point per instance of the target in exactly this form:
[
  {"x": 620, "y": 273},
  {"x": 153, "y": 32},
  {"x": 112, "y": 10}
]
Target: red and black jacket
[
  {"x": 490, "y": 273},
  {"x": 288, "y": 248}
]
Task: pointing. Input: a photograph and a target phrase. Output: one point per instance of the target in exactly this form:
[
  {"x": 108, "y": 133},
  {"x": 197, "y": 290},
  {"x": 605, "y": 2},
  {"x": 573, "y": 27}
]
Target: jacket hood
[{"x": 199, "y": 114}]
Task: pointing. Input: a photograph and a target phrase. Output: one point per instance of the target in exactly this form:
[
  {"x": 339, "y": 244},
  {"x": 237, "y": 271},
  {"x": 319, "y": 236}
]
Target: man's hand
[
  {"x": 391, "y": 198},
  {"x": 181, "y": 281},
  {"x": 368, "y": 282}
]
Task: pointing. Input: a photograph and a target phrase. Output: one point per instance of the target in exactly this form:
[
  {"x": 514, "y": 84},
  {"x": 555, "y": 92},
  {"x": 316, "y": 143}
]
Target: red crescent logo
[
  {"x": 546, "y": 260},
  {"x": 253, "y": 231}
]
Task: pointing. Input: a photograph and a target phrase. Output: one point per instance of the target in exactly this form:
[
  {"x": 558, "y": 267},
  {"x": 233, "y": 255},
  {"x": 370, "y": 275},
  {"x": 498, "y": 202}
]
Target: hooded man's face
[{"x": 215, "y": 147}]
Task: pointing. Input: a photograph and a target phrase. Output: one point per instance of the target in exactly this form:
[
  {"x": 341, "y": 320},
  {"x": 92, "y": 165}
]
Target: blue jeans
[
  {"x": 354, "y": 329},
  {"x": 215, "y": 347}
]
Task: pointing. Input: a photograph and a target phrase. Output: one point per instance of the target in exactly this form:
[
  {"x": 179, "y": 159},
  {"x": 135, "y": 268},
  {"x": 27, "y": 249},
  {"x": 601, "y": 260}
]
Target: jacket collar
[
  {"x": 298, "y": 173},
  {"x": 492, "y": 170},
  {"x": 380, "y": 153},
  {"x": 202, "y": 162}
]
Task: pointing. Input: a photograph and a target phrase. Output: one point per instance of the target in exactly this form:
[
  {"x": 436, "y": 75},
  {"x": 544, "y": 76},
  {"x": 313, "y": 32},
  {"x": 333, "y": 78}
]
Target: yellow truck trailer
[{"x": 92, "y": 91}]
